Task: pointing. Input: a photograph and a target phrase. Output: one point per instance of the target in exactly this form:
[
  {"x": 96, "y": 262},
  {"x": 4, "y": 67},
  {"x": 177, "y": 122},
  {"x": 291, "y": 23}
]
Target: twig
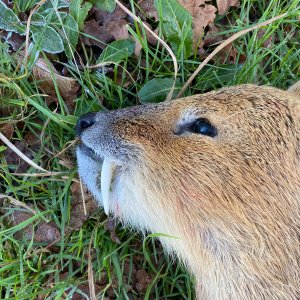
[
  {"x": 91, "y": 273},
  {"x": 83, "y": 197}
]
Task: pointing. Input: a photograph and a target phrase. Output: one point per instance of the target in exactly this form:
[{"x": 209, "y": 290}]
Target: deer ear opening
[{"x": 295, "y": 88}]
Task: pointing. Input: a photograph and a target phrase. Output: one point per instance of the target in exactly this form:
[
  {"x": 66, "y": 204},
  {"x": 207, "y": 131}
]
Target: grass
[{"x": 32, "y": 270}]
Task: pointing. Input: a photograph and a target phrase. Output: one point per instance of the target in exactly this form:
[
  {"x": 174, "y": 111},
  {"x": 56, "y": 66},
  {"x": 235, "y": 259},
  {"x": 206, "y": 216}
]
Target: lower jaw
[{"x": 90, "y": 153}]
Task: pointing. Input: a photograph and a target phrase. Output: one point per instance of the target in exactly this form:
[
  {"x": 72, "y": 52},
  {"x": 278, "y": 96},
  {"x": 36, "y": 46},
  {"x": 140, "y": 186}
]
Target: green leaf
[
  {"x": 176, "y": 25},
  {"x": 25, "y": 5},
  {"x": 38, "y": 20},
  {"x": 79, "y": 12},
  {"x": 2, "y": 148},
  {"x": 47, "y": 38},
  {"x": 48, "y": 6},
  {"x": 107, "y": 5},
  {"x": 56, "y": 19},
  {"x": 117, "y": 51},
  {"x": 157, "y": 89},
  {"x": 70, "y": 35},
  {"x": 216, "y": 77},
  {"x": 9, "y": 21}
]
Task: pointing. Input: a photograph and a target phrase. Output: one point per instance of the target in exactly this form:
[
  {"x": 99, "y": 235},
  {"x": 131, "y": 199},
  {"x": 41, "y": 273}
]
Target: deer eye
[{"x": 204, "y": 127}]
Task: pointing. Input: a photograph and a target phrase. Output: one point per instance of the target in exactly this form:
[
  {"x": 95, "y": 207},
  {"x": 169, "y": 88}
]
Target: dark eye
[{"x": 203, "y": 126}]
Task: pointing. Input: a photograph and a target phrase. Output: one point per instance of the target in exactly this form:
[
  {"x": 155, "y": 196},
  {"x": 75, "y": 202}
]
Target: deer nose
[{"x": 85, "y": 122}]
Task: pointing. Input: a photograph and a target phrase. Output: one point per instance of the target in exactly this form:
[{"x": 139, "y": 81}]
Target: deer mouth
[{"x": 105, "y": 176}]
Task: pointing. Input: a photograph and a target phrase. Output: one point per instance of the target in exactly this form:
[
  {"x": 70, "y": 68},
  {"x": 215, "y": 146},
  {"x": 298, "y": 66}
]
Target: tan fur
[
  {"x": 295, "y": 88},
  {"x": 232, "y": 201}
]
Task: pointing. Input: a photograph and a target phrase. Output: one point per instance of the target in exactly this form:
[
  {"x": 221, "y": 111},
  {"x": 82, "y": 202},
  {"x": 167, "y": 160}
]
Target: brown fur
[{"x": 232, "y": 200}]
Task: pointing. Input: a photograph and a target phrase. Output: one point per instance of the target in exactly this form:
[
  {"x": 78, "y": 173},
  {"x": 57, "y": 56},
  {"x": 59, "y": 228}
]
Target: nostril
[{"x": 84, "y": 122}]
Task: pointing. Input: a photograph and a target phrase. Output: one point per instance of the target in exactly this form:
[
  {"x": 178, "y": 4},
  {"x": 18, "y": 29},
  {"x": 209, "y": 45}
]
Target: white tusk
[{"x": 107, "y": 171}]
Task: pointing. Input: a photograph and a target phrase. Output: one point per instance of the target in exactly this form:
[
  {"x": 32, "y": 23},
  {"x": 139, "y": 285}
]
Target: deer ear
[{"x": 295, "y": 88}]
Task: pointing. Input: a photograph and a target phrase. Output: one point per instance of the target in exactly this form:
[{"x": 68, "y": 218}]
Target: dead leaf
[
  {"x": 8, "y": 3},
  {"x": 28, "y": 146},
  {"x": 227, "y": 55},
  {"x": 111, "y": 227},
  {"x": 44, "y": 73},
  {"x": 148, "y": 10},
  {"x": 202, "y": 13},
  {"x": 152, "y": 40},
  {"x": 21, "y": 166},
  {"x": 138, "y": 47},
  {"x": 223, "y": 5},
  {"x": 18, "y": 217},
  {"x": 32, "y": 140},
  {"x": 267, "y": 42},
  {"x": 105, "y": 27},
  {"x": 16, "y": 41},
  {"x": 42, "y": 232},
  {"x": 7, "y": 130},
  {"x": 78, "y": 216},
  {"x": 47, "y": 232},
  {"x": 213, "y": 37},
  {"x": 143, "y": 280}
]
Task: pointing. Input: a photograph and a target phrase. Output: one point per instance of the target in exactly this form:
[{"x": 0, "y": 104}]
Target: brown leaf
[
  {"x": 212, "y": 36},
  {"x": 148, "y": 9},
  {"x": 8, "y": 3},
  {"x": 223, "y": 5},
  {"x": 16, "y": 41},
  {"x": 19, "y": 217},
  {"x": 143, "y": 280},
  {"x": 42, "y": 232},
  {"x": 267, "y": 42},
  {"x": 47, "y": 232},
  {"x": 138, "y": 47},
  {"x": 105, "y": 27},
  {"x": 228, "y": 54},
  {"x": 111, "y": 226},
  {"x": 28, "y": 146},
  {"x": 118, "y": 29},
  {"x": 150, "y": 38},
  {"x": 14, "y": 159},
  {"x": 43, "y": 73},
  {"x": 7, "y": 130},
  {"x": 202, "y": 13},
  {"x": 78, "y": 216},
  {"x": 32, "y": 140}
]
